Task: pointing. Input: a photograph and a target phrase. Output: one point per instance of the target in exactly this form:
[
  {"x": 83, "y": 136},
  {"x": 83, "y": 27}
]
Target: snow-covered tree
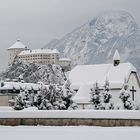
[
  {"x": 34, "y": 73},
  {"x": 106, "y": 94},
  {"x": 22, "y": 101},
  {"x": 2, "y": 83},
  {"x": 31, "y": 96},
  {"x": 57, "y": 97},
  {"x": 19, "y": 103},
  {"x": 47, "y": 98},
  {"x": 45, "y": 105},
  {"x": 68, "y": 93},
  {"x": 125, "y": 98},
  {"x": 73, "y": 106},
  {"x": 96, "y": 98},
  {"x": 20, "y": 78},
  {"x": 38, "y": 99},
  {"x": 59, "y": 105}
]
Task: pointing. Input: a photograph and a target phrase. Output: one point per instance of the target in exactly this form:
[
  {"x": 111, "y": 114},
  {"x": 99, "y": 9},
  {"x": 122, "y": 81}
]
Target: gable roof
[
  {"x": 89, "y": 74},
  {"x": 17, "y": 45}
]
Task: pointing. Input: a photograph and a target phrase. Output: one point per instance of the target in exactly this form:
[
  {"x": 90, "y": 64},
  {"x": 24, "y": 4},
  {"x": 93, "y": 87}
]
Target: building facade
[
  {"x": 10, "y": 90},
  {"x": 41, "y": 56}
]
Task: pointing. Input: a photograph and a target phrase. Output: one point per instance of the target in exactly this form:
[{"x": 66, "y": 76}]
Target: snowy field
[{"x": 69, "y": 133}]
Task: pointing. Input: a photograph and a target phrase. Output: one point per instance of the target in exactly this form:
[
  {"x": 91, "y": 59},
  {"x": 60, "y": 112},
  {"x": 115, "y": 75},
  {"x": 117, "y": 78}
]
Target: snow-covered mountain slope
[
  {"x": 97, "y": 40},
  {"x": 34, "y": 73}
]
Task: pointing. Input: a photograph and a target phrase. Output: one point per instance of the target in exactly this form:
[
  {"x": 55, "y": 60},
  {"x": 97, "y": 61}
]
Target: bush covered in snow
[{"x": 54, "y": 97}]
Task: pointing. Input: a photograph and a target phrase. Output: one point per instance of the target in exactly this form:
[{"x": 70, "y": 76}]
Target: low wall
[
  {"x": 107, "y": 118},
  {"x": 70, "y": 122}
]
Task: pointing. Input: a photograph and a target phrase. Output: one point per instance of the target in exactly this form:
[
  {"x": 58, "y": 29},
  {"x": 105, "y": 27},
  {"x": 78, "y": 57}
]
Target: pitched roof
[
  {"x": 89, "y": 74},
  {"x": 17, "y": 45}
]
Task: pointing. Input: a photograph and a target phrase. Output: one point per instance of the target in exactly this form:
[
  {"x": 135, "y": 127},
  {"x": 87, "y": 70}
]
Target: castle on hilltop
[{"x": 40, "y": 56}]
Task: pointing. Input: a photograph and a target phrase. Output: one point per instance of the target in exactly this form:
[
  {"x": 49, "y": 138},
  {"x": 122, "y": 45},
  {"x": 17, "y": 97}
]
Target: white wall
[
  {"x": 12, "y": 53},
  {"x": 133, "y": 81}
]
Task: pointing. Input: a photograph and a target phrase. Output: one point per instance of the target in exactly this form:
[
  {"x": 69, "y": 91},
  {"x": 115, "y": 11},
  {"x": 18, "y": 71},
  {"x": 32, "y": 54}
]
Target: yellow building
[{"x": 41, "y": 56}]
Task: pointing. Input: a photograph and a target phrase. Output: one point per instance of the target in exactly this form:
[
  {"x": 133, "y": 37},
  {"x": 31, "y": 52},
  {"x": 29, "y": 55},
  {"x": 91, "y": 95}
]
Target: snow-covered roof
[
  {"x": 55, "y": 51},
  {"x": 82, "y": 96},
  {"x": 39, "y": 51},
  {"x": 83, "y": 77},
  {"x": 17, "y": 45},
  {"x": 19, "y": 85},
  {"x": 89, "y": 74},
  {"x": 64, "y": 59}
]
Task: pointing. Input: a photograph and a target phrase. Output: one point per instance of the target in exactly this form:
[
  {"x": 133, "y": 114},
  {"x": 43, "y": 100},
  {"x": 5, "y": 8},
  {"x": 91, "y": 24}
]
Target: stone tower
[{"x": 14, "y": 50}]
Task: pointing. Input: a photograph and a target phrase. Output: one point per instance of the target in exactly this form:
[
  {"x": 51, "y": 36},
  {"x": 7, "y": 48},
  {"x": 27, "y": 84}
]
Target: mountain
[
  {"x": 97, "y": 40},
  {"x": 34, "y": 73}
]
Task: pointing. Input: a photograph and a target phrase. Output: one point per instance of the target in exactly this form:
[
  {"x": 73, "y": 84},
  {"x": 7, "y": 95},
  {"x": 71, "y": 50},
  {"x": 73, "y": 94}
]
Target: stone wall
[{"x": 70, "y": 122}]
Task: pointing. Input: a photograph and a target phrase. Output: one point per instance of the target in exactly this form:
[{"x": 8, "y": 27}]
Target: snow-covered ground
[
  {"x": 32, "y": 112},
  {"x": 69, "y": 133}
]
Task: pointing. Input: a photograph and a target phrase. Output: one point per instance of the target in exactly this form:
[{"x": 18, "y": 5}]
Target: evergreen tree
[
  {"x": 22, "y": 100},
  {"x": 59, "y": 103},
  {"x": 68, "y": 93},
  {"x": 107, "y": 97},
  {"x": 38, "y": 99},
  {"x": 125, "y": 98},
  {"x": 32, "y": 97},
  {"x": 19, "y": 104},
  {"x": 51, "y": 98},
  {"x": 96, "y": 101}
]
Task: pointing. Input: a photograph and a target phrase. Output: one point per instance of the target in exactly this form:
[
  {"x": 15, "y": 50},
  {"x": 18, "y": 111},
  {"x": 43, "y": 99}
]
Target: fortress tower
[{"x": 14, "y": 50}]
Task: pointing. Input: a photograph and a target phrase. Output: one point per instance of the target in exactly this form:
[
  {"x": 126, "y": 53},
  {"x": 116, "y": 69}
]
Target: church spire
[
  {"x": 116, "y": 58},
  {"x": 18, "y": 40}
]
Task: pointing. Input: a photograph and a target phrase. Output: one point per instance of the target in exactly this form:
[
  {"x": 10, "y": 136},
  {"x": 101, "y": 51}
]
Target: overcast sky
[{"x": 36, "y": 22}]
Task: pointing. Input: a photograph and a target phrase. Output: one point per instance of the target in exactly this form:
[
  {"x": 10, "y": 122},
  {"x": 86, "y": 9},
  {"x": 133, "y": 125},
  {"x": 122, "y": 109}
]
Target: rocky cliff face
[
  {"x": 97, "y": 40},
  {"x": 34, "y": 73}
]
